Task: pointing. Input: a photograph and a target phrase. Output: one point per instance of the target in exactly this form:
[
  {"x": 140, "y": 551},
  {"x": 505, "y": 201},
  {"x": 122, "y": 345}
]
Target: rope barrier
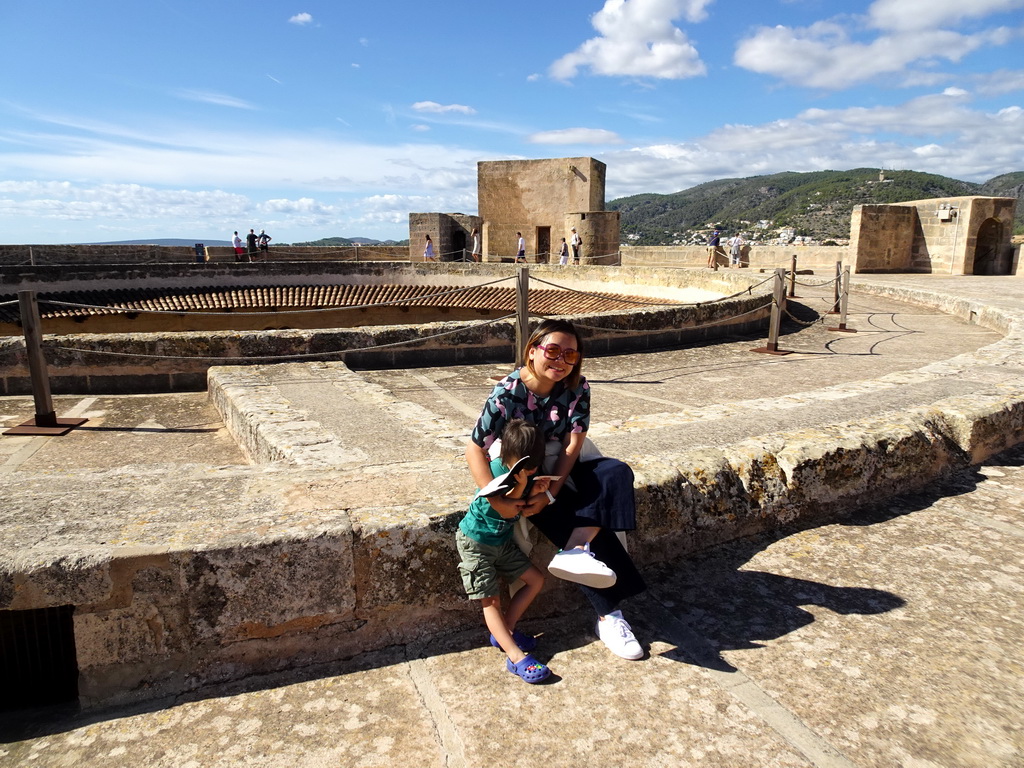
[
  {"x": 115, "y": 309},
  {"x": 305, "y": 356},
  {"x": 817, "y": 285},
  {"x": 681, "y": 328},
  {"x": 8, "y": 303},
  {"x": 805, "y": 323},
  {"x": 747, "y": 290}
]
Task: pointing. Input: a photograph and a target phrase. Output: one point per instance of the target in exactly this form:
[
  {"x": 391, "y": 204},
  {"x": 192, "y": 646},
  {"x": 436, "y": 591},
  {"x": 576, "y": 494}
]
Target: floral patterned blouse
[{"x": 565, "y": 411}]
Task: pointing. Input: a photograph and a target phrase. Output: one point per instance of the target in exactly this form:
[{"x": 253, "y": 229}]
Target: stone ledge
[{"x": 166, "y": 618}]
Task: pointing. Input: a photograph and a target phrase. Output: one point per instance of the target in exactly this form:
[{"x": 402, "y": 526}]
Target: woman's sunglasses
[{"x": 553, "y": 352}]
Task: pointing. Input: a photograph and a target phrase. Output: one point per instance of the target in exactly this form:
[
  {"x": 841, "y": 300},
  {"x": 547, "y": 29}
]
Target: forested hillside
[{"x": 816, "y": 204}]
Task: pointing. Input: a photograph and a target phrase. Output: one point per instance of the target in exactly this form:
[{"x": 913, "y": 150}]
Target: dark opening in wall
[{"x": 38, "y": 665}]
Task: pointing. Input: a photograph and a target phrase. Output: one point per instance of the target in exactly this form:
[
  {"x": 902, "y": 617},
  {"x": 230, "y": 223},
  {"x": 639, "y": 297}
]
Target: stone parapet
[
  {"x": 154, "y": 362},
  {"x": 820, "y": 259}
]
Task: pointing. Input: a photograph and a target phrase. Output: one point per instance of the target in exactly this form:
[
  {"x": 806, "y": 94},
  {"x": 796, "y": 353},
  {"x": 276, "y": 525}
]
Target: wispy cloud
[
  {"x": 301, "y": 19},
  {"x": 435, "y": 108},
  {"x": 212, "y": 97},
  {"x": 575, "y": 136}
]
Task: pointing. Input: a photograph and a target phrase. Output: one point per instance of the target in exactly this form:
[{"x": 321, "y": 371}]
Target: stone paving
[{"x": 892, "y": 638}]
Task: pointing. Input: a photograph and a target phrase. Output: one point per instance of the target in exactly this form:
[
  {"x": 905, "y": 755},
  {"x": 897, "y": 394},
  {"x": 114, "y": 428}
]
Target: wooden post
[
  {"x": 844, "y": 303},
  {"x": 792, "y": 277},
  {"x": 835, "y": 289},
  {"x": 522, "y": 309},
  {"x": 778, "y": 302},
  {"x": 45, "y": 421}
]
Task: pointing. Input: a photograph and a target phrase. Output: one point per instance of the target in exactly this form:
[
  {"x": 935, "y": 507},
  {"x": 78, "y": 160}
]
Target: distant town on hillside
[{"x": 813, "y": 207}]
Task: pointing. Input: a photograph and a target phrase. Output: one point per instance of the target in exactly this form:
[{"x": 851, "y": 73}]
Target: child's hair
[{"x": 522, "y": 440}]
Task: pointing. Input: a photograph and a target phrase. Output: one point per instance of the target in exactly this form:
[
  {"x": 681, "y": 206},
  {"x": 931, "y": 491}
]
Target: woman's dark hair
[
  {"x": 522, "y": 440},
  {"x": 547, "y": 328}
]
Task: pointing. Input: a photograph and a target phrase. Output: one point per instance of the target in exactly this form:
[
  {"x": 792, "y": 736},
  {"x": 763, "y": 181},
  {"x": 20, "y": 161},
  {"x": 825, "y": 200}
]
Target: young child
[{"x": 485, "y": 544}]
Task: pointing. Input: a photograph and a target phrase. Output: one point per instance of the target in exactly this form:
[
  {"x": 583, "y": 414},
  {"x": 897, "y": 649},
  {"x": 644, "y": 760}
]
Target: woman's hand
[
  {"x": 506, "y": 507},
  {"x": 535, "y": 505}
]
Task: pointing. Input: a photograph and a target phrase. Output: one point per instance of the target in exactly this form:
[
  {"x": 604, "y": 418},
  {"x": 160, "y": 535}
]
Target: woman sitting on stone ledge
[{"x": 592, "y": 496}]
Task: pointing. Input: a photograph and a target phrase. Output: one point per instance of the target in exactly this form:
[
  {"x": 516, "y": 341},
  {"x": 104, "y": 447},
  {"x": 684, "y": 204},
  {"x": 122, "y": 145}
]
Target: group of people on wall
[
  {"x": 573, "y": 246},
  {"x": 735, "y": 243},
  {"x": 253, "y": 244}
]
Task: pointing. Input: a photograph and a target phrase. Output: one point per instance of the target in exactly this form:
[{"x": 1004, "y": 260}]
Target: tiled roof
[{"x": 280, "y": 298}]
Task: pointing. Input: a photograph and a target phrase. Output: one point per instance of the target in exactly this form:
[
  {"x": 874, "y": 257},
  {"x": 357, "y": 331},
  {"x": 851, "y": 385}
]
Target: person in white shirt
[
  {"x": 576, "y": 242},
  {"x": 476, "y": 245},
  {"x": 236, "y": 241},
  {"x": 735, "y": 247},
  {"x": 521, "y": 248}
]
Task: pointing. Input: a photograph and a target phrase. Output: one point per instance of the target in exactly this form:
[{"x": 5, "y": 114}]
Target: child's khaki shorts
[{"x": 482, "y": 564}]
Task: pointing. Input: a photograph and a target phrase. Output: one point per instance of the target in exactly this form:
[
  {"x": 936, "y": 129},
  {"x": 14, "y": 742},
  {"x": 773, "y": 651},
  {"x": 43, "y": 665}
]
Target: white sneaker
[
  {"x": 616, "y": 633},
  {"x": 580, "y": 566}
]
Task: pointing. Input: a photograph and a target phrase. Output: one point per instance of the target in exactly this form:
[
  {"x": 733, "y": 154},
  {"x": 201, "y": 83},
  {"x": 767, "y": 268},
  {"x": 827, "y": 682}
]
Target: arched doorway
[{"x": 989, "y": 256}]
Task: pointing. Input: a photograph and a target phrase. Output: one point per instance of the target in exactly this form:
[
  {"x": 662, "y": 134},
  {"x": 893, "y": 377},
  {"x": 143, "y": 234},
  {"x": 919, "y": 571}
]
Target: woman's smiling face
[{"x": 552, "y": 370}]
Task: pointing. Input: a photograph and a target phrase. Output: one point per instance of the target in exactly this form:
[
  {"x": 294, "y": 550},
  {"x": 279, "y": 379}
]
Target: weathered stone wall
[
  {"x": 944, "y": 235},
  {"x": 524, "y": 195},
  {"x": 819, "y": 258},
  {"x": 27, "y": 255},
  {"x": 600, "y": 233},
  {"x": 882, "y": 238},
  {"x": 451, "y": 233}
]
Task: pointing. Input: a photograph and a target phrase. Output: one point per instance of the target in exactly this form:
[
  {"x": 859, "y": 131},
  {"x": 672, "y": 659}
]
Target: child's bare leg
[
  {"x": 496, "y": 624},
  {"x": 533, "y": 581},
  {"x": 581, "y": 537}
]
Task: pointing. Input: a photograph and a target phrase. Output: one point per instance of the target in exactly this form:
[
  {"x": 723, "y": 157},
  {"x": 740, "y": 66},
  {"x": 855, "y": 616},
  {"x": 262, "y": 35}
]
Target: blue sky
[{"x": 175, "y": 118}]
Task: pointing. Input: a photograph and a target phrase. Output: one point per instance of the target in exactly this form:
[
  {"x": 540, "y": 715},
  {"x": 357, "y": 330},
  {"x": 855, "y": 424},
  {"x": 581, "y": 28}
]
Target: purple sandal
[
  {"x": 531, "y": 670},
  {"x": 526, "y": 643}
]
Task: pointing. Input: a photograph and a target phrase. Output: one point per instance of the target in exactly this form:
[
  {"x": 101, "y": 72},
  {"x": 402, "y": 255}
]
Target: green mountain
[
  {"x": 340, "y": 242},
  {"x": 817, "y": 204}
]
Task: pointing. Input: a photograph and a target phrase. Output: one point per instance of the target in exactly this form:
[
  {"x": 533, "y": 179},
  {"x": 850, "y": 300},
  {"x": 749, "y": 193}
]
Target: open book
[{"x": 502, "y": 484}]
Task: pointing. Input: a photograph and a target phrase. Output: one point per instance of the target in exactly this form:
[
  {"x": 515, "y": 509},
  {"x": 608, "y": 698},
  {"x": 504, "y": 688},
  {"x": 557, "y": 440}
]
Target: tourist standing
[
  {"x": 236, "y": 243},
  {"x": 428, "y": 250},
  {"x": 520, "y": 248},
  {"x": 477, "y": 252},
  {"x": 735, "y": 248},
  {"x": 577, "y": 243},
  {"x": 264, "y": 242},
  {"x": 563, "y": 253},
  {"x": 250, "y": 245},
  {"x": 714, "y": 246}
]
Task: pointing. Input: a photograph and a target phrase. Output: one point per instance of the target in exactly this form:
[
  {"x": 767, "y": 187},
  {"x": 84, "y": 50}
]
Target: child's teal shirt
[{"x": 482, "y": 522}]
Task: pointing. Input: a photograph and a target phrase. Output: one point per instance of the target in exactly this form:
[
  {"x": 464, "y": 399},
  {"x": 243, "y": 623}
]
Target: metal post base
[
  {"x": 769, "y": 350},
  {"x": 50, "y": 427},
  {"x": 843, "y": 329}
]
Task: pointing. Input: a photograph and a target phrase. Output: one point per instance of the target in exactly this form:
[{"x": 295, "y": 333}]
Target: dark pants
[{"x": 605, "y": 492}]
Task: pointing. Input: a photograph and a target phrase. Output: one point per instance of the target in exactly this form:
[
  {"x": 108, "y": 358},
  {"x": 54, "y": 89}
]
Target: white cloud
[
  {"x": 211, "y": 97},
  {"x": 301, "y": 19},
  {"x": 637, "y": 38},
  {"x": 434, "y": 107},
  {"x": 837, "y": 53},
  {"x": 420, "y": 127},
  {"x": 910, "y": 15},
  {"x": 575, "y": 136},
  {"x": 939, "y": 133}
]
